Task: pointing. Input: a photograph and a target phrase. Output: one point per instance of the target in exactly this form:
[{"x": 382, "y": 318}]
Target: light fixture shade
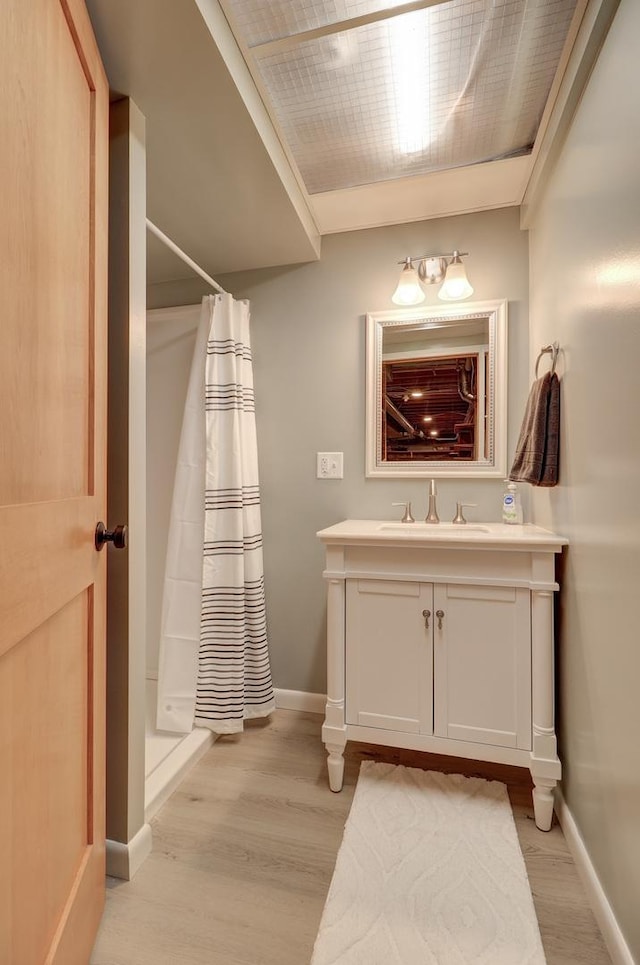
[
  {"x": 455, "y": 286},
  {"x": 409, "y": 290}
]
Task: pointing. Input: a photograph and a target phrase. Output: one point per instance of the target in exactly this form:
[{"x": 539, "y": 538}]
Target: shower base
[{"x": 168, "y": 757}]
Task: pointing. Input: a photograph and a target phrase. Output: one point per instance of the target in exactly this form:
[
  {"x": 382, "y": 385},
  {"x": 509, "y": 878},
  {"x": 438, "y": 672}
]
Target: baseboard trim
[
  {"x": 300, "y": 700},
  {"x": 613, "y": 937},
  {"x": 123, "y": 860}
]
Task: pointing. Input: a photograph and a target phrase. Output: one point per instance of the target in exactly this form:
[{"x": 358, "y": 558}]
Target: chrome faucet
[
  {"x": 432, "y": 515},
  {"x": 407, "y": 518},
  {"x": 459, "y": 517}
]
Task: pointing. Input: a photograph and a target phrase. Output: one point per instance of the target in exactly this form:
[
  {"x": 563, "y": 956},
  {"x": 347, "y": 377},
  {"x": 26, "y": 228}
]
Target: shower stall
[{"x": 171, "y": 336}]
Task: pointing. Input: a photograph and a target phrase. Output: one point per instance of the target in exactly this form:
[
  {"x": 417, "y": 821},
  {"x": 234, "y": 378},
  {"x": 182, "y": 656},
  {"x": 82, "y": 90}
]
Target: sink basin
[{"x": 432, "y": 529}]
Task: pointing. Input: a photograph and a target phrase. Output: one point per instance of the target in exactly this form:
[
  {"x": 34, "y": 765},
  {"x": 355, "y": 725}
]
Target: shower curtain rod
[{"x": 184, "y": 257}]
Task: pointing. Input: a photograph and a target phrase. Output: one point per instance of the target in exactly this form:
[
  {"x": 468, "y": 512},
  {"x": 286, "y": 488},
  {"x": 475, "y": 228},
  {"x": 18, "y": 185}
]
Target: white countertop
[{"x": 473, "y": 534}]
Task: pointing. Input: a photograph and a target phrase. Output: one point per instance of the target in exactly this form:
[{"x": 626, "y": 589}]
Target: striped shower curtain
[
  {"x": 214, "y": 661},
  {"x": 234, "y": 677}
]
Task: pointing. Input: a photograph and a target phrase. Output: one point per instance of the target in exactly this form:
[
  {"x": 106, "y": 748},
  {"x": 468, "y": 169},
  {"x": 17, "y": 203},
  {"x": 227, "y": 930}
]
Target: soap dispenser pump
[{"x": 511, "y": 505}]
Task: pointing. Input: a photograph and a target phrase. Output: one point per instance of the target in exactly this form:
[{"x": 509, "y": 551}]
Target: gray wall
[
  {"x": 585, "y": 292},
  {"x": 308, "y": 348}
]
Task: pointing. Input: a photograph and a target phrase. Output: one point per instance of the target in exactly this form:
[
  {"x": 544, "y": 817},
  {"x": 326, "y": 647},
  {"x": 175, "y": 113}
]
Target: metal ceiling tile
[
  {"x": 450, "y": 85},
  {"x": 261, "y": 21}
]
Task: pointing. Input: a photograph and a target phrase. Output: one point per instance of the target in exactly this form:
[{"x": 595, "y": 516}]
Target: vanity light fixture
[{"x": 432, "y": 270}]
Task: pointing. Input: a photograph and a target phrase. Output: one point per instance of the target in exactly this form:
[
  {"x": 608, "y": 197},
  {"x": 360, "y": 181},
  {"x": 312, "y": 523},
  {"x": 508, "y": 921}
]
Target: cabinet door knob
[
  {"x": 440, "y": 615},
  {"x": 426, "y": 614}
]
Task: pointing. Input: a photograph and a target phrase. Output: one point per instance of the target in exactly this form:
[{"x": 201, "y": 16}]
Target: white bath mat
[{"x": 429, "y": 873}]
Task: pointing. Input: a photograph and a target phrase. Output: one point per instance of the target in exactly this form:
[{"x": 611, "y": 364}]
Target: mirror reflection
[{"x": 436, "y": 391}]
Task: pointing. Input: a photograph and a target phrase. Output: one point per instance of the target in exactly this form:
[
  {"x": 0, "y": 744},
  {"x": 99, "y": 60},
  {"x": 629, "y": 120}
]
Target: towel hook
[{"x": 551, "y": 350}]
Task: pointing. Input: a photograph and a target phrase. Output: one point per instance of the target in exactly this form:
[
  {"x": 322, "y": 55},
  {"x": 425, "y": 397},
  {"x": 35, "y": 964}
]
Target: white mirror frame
[{"x": 496, "y": 464}]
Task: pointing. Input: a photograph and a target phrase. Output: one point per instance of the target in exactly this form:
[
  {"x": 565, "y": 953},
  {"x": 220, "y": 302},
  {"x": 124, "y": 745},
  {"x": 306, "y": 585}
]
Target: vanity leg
[
  {"x": 334, "y": 731},
  {"x": 335, "y": 765},
  {"x": 544, "y": 766},
  {"x": 543, "y": 802}
]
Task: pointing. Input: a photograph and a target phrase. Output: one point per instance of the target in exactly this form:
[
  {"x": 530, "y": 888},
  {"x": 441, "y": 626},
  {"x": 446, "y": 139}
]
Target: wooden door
[
  {"x": 482, "y": 664},
  {"x": 389, "y": 680},
  {"x": 53, "y": 226}
]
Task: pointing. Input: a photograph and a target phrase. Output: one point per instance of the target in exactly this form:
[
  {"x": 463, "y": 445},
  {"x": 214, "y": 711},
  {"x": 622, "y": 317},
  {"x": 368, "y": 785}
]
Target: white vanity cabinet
[
  {"x": 442, "y": 641},
  {"x": 447, "y": 659}
]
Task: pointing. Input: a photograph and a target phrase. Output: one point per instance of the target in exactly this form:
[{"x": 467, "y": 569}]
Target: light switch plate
[{"x": 330, "y": 465}]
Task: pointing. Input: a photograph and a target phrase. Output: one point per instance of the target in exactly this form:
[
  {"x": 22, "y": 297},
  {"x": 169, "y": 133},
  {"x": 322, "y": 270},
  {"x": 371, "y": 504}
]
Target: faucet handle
[
  {"x": 459, "y": 517},
  {"x": 407, "y": 518}
]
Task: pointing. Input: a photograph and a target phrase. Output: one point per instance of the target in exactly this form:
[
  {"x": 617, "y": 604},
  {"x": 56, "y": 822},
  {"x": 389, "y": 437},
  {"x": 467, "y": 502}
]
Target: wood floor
[{"x": 244, "y": 851}]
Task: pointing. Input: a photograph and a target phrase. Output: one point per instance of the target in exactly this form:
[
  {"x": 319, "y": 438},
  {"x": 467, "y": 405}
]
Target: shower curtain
[{"x": 214, "y": 661}]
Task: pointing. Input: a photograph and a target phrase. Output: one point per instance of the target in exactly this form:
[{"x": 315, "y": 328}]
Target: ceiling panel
[
  {"x": 456, "y": 84},
  {"x": 260, "y": 22},
  {"x": 212, "y": 183},
  {"x": 219, "y": 181}
]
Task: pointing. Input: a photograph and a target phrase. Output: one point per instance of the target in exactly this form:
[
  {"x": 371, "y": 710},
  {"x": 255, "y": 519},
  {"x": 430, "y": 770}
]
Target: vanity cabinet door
[
  {"x": 389, "y": 655},
  {"x": 482, "y": 664}
]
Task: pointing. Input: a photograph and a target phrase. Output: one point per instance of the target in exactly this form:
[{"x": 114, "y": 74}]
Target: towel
[{"x": 536, "y": 458}]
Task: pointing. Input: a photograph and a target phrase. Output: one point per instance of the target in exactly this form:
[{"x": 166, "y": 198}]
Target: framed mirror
[{"x": 436, "y": 382}]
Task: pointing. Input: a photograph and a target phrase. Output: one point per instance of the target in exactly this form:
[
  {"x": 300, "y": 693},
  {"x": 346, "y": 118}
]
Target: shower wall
[{"x": 171, "y": 334}]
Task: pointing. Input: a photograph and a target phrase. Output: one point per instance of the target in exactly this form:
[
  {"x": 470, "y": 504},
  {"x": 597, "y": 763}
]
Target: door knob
[
  {"x": 426, "y": 614},
  {"x": 440, "y": 615},
  {"x": 117, "y": 536}
]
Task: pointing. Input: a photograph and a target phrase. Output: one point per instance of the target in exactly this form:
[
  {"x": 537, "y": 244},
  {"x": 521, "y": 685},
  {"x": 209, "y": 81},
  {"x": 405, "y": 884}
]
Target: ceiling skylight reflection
[
  {"x": 457, "y": 83},
  {"x": 409, "y": 48}
]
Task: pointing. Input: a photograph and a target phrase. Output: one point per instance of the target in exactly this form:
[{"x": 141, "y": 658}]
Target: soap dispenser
[{"x": 511, "y": 505}]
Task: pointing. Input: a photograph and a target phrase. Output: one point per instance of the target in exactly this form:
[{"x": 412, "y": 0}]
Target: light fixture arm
[{"x": 449, "y": 254}]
